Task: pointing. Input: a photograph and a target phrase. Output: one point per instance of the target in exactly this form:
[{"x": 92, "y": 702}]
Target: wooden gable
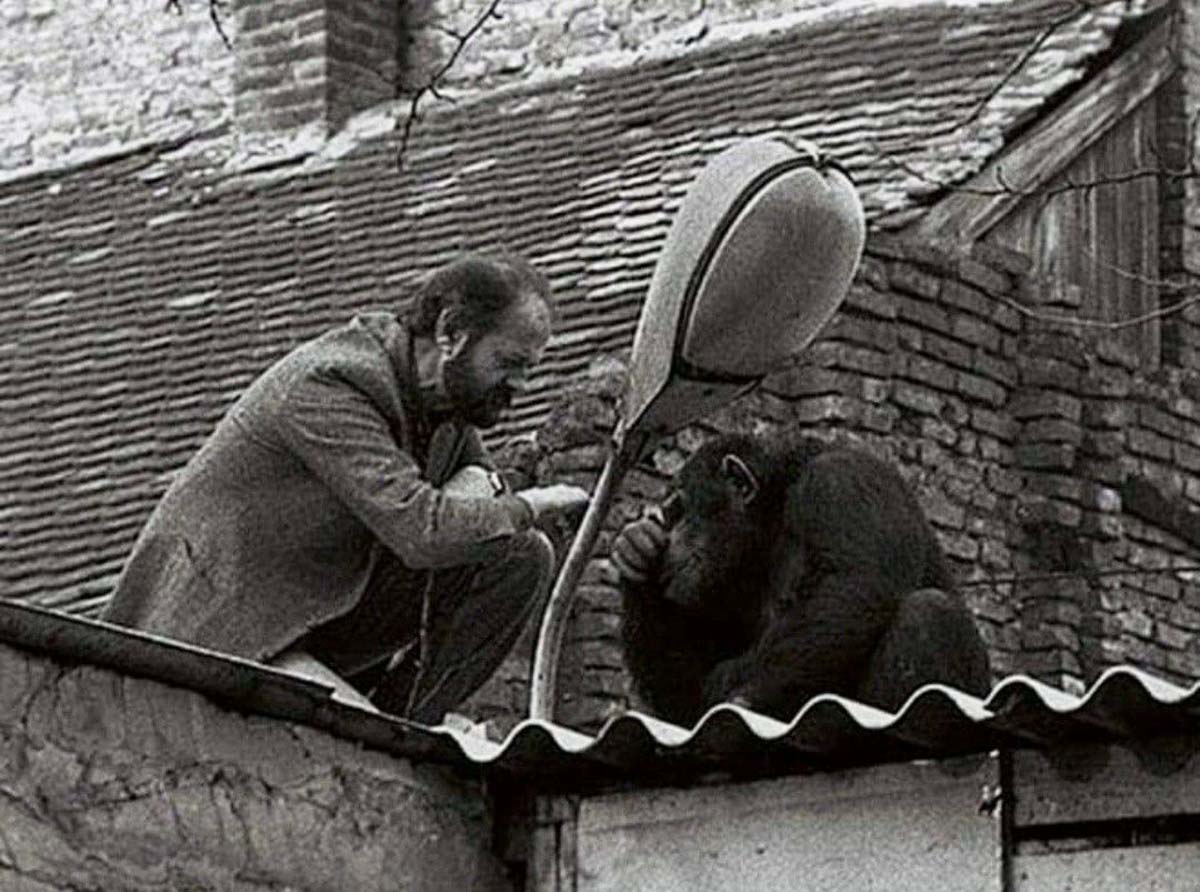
[{"x": 1079, "y": 194}]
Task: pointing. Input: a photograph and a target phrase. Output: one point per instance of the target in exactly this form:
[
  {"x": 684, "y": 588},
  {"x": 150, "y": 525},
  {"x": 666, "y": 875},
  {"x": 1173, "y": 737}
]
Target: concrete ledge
[{"x": 120, "y": 783}]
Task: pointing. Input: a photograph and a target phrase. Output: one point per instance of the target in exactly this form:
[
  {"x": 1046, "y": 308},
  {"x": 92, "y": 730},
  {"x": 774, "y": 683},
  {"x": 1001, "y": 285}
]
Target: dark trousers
[{"x": 476, "y": 614}]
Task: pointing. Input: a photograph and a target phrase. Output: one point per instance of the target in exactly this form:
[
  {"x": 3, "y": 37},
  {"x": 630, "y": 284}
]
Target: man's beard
[{"x": 472, "y": 403}]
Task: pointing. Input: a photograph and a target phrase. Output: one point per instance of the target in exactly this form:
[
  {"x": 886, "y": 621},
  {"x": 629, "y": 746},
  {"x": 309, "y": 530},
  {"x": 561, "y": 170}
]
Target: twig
[
  {"x": 214, "y": 13},
  {"x": 1080, "y": 8},
  {"x": 431, "y": 86}
]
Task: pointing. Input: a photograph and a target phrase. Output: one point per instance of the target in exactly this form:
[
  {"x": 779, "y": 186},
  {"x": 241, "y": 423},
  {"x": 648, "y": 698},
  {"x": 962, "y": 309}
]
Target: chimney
[{"x": 304, "y": 62}]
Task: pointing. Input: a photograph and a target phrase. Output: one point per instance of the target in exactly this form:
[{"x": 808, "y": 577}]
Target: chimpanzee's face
[{"x": 716, "y": 527}]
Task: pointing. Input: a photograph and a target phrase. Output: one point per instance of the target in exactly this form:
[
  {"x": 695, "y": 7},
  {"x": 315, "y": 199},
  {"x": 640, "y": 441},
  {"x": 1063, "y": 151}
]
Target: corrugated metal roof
[
  {"x": 829, "y": 732},
  {"x": 139, "y": 297}
]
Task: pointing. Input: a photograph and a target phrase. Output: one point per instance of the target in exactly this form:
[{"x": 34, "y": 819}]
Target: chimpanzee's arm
[
  {"x": 822, "y": 645},
  {"x": 668, "y": 652}
]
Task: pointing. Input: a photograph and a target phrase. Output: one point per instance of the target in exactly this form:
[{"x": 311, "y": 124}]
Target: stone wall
[
  {"x": 79, "y": 77},
  {"x": 1043, "y": 457},
  {"x": 124, "y": 784},
  {"x": 533, "y": 38}
]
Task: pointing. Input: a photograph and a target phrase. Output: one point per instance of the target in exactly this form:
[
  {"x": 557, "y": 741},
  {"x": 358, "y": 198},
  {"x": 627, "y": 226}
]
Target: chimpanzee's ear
[{"x": 739, "y": 474}]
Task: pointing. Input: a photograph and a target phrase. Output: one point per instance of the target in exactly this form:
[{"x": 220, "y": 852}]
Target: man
[{"x": 343, "y": 520}]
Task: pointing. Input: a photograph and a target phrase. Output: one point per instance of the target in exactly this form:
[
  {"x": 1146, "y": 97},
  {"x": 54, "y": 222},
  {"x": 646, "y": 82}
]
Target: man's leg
[
  {"x": 477, "y": 614},
  {"x": 298, "y": 662}
]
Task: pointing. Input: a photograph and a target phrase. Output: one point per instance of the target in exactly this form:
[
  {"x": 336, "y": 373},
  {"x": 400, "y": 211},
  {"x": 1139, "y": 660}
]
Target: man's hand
[
  {"x": 638, "y": 549},
  {"x": 555, "y": 499}
]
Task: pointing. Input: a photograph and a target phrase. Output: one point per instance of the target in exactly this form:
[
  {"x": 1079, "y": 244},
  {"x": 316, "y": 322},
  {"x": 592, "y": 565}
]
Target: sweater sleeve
[{"x": 344, "y": 440}]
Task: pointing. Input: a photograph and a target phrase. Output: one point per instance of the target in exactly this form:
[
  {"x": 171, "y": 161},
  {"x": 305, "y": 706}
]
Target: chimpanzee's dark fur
[{"x": 829, "y": 580}]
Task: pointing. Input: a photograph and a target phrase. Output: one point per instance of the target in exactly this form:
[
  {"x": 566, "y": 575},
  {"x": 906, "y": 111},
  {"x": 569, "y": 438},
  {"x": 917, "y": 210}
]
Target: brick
[
  {"x": 1063, "y": 488},
  {"x": 982, "y": 276},
  {"x": 1105, "y": 382},
  {"x": 996, "y": 424},
  {"x": 1137, "y": 623},
  {"x": 1186, "y": 456},
  {"x": 1000, "y": 370},
  {"x": 1107, "y": 444},
  {"x": 926, "y": 371},
  {"x": 812, "y": 410},
  {"x": 867, "y": 332},
  {"x": 1057, "y": 456},
  {"x": 960, "y": 546},
  {"x": 949, "y": 350},
  {"x": 873, "y": 301},
  {"x": 939, "y": 431},
  {"x": 963, "y": 297},
  {"x": 1001, "y": 258},
  {"x": 1143, "y": 442},
  {"x": 1046, "y": 404},
  {"x": 1044, "y": 372},
  {"x": 978, "y": 388},
  {"x": 801, "y": 381},
  {"x": 974, "y": 331},
  {"x": 1159, "y": 421},
  {"x": 927, "y": 315},
  {"x": 1106, "y": 414},
  {"x": 869, "y": 362},
  {"x": 917, "y": 398},
  {"x": 1034, "y": 510},
  {"x": 1185, "y": 664},
  {"x": 1051, "y": 430},
  {"x": 911, "y": 280},
  {"x": 1003, "y": 480}
]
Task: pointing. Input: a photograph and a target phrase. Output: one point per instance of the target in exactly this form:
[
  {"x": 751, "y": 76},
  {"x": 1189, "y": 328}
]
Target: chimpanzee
[{"x": 782, "y": 568}]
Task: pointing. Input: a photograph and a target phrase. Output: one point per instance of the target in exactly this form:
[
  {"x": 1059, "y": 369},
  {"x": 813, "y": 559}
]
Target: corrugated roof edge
[{"x": 830, "y": 731}]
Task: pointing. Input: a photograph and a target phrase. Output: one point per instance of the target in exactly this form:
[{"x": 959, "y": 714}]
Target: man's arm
[{"x": 341, "y": 437}]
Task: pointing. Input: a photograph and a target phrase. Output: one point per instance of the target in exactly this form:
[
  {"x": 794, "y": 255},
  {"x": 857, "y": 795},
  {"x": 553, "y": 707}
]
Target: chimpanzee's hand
[{"x": 638, "y": 549}]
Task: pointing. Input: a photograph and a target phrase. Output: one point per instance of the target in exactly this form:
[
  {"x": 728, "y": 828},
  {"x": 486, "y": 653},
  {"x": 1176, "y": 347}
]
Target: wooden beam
[{"x": 1033, "y": 160}]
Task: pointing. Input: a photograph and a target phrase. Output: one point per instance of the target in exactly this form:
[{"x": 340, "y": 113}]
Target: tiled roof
[
  {"x": 140, "y": 295},
  {"x": 828, "y": 732}
]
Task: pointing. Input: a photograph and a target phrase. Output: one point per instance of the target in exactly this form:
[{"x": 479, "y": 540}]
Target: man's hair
[{"x": 477, "y": 289}]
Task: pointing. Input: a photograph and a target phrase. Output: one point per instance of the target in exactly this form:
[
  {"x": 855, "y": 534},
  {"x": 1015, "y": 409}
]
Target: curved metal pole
[{"x": 544, "y": 682}]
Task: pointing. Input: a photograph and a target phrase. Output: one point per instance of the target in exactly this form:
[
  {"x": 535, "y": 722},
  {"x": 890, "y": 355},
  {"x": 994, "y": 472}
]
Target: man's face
[{"x": 491, "y": 367}]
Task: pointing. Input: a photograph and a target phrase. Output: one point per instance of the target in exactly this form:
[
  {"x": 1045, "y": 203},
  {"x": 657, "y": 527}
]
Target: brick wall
[
  {"x": 114, "y": 782},
  {"x": 1038, "y": 451},
  {"x": 302, "y": 62},
  {"x": 86, "y": 77}
]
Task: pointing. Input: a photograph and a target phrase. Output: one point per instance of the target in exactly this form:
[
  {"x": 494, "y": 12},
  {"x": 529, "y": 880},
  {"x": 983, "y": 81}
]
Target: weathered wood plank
[
  {"x": 895, "y": 827},
  {"x": 1145, "y": 869},
  {"x": 1103, "y": 783},
  {"x": 1042, "y": 153}
]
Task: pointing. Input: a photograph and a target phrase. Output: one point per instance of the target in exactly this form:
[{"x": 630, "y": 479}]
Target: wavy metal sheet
[{"x": 830, "y": 731}]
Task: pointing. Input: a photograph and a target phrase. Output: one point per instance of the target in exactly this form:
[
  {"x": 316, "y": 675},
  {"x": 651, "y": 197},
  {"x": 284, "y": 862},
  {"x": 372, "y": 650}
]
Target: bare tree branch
[
  {"x": 431, "y": 86},
  {"x": 1079, "y": 9},
  {"x": 215, "y": 12}
]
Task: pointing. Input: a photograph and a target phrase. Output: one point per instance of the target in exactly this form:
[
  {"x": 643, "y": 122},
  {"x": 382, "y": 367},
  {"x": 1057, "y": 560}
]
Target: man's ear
[
  {"x": 738, "y": 473},
  {"x": 449, "y": 335}
]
